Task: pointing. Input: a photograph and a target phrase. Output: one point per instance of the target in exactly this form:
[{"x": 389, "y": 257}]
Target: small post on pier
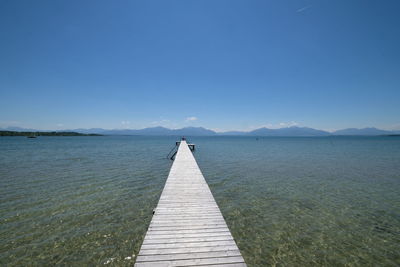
[{"x": 191, "y": 146}]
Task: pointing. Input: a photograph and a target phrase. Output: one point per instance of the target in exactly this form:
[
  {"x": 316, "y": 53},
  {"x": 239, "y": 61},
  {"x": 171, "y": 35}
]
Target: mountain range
[{"x": 200, "y": 131}]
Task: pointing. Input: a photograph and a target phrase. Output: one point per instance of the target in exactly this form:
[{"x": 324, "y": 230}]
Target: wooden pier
[{"x": 187, "y": 228}]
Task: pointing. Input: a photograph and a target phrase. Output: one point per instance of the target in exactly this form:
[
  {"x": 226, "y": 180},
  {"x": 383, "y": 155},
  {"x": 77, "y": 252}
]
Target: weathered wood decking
[{"x": 187, "y": 228}]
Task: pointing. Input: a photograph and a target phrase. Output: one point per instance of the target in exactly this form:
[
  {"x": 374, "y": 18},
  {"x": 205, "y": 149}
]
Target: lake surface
[{"x": 290, "y": 201}]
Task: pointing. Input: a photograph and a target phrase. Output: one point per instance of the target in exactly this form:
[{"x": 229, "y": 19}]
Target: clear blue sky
[{"x": 219, "y": 64}]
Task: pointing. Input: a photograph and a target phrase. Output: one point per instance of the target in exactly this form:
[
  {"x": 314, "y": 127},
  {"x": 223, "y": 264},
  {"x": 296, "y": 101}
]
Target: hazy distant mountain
[
  {"x": 19, "y": 129},
  {"x": 364, "y": 131},
  {"x": 200, "y": 131},
  {"x": 192, "y": 131},
  {"x": 289, "y": 131},
  {"x": 154, "y": 131},
  {"x": 88, "y": 131},
  {"x": 189, "y": 131},
  {"x": 233, "y": 133},
  {"x": 145, "y": 131}
]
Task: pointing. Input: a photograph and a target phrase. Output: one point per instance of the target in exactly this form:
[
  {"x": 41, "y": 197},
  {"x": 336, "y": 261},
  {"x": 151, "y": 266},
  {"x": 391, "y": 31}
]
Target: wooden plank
[
  {"x": 197, "y": 224},
  {"x": 190, "y": 244},
  {"x": 186, "y": 217},
  {"x": 187, "y": 221},
  {"x": 187, "y": 231},
  {"x": 185, "y": 235},
  {"x": 178, "y": 228},
  {"x": 179, "y": 212},
  {"x": 163, "y": 251},
  {"x": 186, "y": 240},
  {"x": 193, "y": 262},
  {"x": 187, "y": 228},
  {"x": 185, "y": 256}
]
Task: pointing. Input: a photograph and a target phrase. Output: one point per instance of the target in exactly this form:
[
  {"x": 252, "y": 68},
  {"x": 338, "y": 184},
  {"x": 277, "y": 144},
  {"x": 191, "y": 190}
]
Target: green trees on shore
[{"x": 14, "y": 133}]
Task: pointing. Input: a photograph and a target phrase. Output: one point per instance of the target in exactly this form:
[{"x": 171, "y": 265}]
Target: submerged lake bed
[{"x": 287, "y": 200}]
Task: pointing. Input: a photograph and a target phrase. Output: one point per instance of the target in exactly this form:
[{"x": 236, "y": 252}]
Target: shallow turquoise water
[{"x": 288, "y": 201}]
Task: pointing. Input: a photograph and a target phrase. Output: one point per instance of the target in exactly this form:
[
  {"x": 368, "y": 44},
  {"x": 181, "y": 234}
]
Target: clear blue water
[{"x": 329, "y": 201}]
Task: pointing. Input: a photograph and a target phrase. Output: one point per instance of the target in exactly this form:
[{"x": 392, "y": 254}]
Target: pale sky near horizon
[{"x": 223, "y": 65}]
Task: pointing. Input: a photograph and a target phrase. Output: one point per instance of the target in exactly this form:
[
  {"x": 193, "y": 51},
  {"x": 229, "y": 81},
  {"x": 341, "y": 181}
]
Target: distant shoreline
[
  {"x": 38, "y": 133},
  {"x": 68, "y": 133},
  {"x": 201, "y": 131}
]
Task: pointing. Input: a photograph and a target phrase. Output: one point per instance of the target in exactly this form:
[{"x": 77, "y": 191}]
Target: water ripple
[{"x": 287, "y": 201}]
